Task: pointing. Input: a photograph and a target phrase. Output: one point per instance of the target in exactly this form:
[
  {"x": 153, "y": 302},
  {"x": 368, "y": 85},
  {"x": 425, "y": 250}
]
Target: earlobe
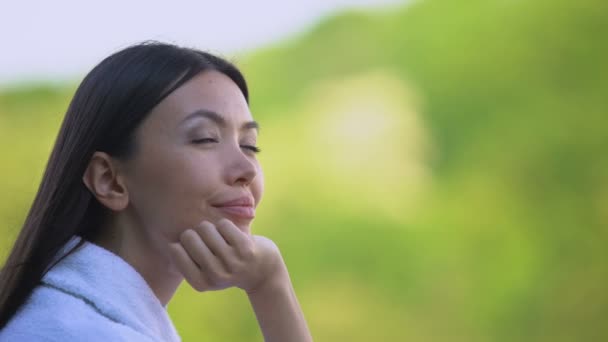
[{"x": 104, "y": 181}]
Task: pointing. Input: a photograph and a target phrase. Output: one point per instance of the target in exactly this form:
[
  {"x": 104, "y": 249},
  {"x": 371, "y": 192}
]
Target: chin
[{"x": 244, "y": 227}]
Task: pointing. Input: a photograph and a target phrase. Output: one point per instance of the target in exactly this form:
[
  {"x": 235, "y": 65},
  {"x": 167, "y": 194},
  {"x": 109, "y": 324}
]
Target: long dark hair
[{"x": 109, "y": 104}]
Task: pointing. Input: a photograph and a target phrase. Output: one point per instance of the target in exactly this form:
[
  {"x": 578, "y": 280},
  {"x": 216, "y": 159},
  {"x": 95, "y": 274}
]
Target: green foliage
[{"x": 434, "y": 172}]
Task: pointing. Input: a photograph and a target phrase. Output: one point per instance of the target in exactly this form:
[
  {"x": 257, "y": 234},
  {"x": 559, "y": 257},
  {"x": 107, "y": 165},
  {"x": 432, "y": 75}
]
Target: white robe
[{"x": 91, "y": 295}]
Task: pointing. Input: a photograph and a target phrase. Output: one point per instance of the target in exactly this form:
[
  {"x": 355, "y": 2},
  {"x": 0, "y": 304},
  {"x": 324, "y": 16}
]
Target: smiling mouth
[
  {"x": 238, "y": 212},
  {"x": 240, "y": 208}
]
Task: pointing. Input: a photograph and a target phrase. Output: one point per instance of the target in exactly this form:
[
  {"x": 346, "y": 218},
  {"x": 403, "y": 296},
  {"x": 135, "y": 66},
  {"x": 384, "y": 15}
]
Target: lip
[
  {"x": 244, "y": 201},
  {"x": 240, "y": 208}
]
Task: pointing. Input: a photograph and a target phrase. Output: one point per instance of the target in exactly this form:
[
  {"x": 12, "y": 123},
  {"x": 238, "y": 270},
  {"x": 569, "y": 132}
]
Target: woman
[{"x": 153, "y": 179}]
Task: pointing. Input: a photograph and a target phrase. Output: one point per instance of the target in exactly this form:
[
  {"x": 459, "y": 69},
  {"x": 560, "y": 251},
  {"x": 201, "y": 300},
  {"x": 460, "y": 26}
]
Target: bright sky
[{"x": 63, "y": 39}]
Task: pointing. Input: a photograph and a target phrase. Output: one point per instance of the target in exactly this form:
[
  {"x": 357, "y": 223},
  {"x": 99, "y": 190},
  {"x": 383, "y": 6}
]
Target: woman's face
[{"x": 195, "y": 160}]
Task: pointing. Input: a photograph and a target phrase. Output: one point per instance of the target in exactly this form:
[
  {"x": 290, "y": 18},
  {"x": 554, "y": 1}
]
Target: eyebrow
[{"x": 218, "y": 119}]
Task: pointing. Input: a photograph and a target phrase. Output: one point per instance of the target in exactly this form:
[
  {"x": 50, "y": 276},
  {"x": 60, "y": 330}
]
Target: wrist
[{"x": 279, "y": 280}]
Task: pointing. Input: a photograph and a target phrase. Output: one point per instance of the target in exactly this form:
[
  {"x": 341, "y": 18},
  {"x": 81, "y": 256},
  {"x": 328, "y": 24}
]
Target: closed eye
[
  {"x": 252, "y": 148},
  {"x": 204, "y": 141}
]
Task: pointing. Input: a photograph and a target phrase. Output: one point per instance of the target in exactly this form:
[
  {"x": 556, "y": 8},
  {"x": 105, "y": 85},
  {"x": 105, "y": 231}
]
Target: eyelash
[
  {"x": 252, "y": 148},
  {"x": 204, "y": 140}
]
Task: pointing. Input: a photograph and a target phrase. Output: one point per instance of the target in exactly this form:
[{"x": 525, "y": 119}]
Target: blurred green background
[{"x": 434, "y": 172}]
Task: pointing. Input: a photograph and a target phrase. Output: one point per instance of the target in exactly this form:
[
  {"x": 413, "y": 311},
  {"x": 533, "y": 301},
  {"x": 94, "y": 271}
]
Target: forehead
[{"x": 209, "y": 90}]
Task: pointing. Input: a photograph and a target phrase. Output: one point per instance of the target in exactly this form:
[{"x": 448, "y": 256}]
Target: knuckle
[
  {"x": 236, "y": 265},
  {"x": 199, "y": 284},
  {"x": 230, "y": 265},
  {"x": 186, "y": 235},
  {"x": 222, "y": 278},
  {"x": 240, "y": 267},
  {"x": 224, "y": 222},
  {"x": 225, "y": 226},
  {"x": 247, "y": 252},
  {"x": 222, "y": 227},
  {"x": 204, "y": 227},
  {"x": 213, "y": 274}
]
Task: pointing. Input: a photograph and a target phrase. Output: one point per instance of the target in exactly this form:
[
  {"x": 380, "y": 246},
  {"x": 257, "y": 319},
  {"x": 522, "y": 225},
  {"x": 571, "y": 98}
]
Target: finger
[
  {"x": 213, "y": 239},
  {"x": 187, "y": 267},
  {"x": 198, "y": 251},
  {"x": 239, "y": 241}
]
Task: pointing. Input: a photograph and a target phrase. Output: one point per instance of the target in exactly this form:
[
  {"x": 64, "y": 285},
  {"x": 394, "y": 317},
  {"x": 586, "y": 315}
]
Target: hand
[{"x": 214, "y": 257}]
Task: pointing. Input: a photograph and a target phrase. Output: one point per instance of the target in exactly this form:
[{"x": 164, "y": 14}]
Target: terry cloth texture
[{"x": 91, "y": 295}]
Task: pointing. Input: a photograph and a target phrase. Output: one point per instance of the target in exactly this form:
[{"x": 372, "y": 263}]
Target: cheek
[{"x": 170, "y": 192}]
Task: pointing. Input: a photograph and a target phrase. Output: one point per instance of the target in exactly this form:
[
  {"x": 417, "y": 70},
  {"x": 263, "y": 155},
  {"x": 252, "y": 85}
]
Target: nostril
[{"x": 244, "y": 175}]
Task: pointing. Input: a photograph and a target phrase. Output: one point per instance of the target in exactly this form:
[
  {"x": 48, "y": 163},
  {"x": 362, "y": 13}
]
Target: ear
[{"x": 105, "y": 183}]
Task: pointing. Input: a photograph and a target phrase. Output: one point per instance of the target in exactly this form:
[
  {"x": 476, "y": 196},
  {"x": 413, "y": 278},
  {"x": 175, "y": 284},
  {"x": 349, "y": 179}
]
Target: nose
[{"x": 241, "y": 168}]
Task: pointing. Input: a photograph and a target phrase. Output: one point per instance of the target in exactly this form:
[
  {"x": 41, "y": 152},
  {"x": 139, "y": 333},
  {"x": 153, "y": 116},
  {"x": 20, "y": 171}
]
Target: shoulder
[{"x": 51, "y": 315}]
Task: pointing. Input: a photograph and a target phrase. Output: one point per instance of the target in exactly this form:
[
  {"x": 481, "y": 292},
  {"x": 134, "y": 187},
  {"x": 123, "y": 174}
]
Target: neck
[{"x": 148, "y": 255}]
